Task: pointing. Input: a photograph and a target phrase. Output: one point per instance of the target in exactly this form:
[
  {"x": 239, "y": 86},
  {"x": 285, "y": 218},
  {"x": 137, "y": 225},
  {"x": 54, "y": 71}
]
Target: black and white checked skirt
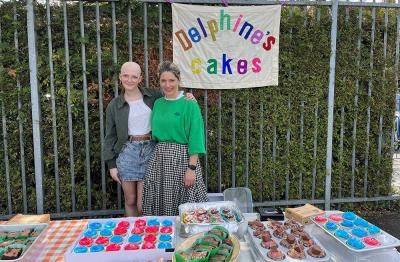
[{"x": 164, "y": 188}]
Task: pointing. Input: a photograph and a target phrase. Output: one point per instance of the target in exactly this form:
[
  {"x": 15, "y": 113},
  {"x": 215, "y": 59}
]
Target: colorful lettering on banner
[{"x": 226, "y": 47}]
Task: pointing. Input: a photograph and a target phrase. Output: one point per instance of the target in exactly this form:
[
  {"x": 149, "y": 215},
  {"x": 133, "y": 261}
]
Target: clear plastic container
[{"x": 241, "y": 196}]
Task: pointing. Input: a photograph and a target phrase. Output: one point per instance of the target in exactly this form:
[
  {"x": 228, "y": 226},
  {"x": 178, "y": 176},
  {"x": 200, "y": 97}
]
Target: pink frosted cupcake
[
  {"x": 137, "y": 231},
  {"x": 166, "y": 230},
  {"x": 140, "y": 223},
  {"x": 86, "y": 241},
  {"x": 151, "y": 230}
]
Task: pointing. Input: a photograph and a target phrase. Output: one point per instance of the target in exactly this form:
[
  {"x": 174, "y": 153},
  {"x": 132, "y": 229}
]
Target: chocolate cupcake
[
  {"x": 279, "y": 232},
  {"x": 276, "y": 254},
  {"x": 306, "y": 240},
  {"x": 316, "y": 251},
  {"x": 289, "y": 241},
  {"x": 12, "y": 254},
  {"x": 256, "y": 224},
  {"x": 296, "y": 252},
  {"x": 199, "y": 254}
]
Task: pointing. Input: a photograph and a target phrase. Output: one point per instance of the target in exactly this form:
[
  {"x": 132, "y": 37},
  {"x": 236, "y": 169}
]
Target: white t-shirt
[{"x": 139, "y": 118}]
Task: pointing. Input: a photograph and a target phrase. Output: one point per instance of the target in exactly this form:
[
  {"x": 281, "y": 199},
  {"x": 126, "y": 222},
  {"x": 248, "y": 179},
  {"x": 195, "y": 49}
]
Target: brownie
[
  {"x": 12, "y": 253},
  {"x": 11, "y": 235},
  {"x": 6, "y": 243}
]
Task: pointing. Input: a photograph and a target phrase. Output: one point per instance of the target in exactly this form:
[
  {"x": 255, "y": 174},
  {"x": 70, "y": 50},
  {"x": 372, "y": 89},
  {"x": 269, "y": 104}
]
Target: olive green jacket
[{"x": 117, "y": 124}]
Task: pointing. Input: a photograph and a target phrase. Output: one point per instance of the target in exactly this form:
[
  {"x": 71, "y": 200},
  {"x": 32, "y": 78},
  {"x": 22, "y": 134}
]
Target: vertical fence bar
[
  {"x": 331, "y": 97},
  {"x": 160, "y": 35},
  {"x": 347, "y": 13},
  {"x": 101, "y": 108},
  {"x": 69, "y": 102},
  {"x": 288, "y": 132},
  {"x": 301, "y": 148},
  {"x": 233, "y": 142},
  {"x": 371, "y": 67},
  {"x": 130, "y": 31},
  {"x": 219, "y": 141},
  {"x": 261, "y": 143},
  {"x": 53, "y": 106},
  {"x": 20, "y": 125},
  {"x": 7, "y": 166},
  {"x": 274, "y": 161},
  {"x": 341, "y": 150},
  {"x": 354, "y": 136},
  {"x": 315, "y": 151},
  {"x": 396, "y": 75},
  {"x": 206, "y": 135},
  {"x": 85, "y": 107},
  {"x": 247, "y": 140},
  {"x": 115, "y": 58},
  {"x": 146, "y": 48},
  {"x": 36, "y": 118}
]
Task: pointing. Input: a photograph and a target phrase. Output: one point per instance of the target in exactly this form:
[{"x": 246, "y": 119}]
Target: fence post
[
  {"x": 37, "y": 135},
  {"x": 331, "y": 96}
]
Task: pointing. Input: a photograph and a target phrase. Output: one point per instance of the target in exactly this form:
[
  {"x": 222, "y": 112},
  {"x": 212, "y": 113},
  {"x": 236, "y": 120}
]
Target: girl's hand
[
  {"x": 189, "y": 178},
  {"x": 190, "y": 96},
  {"x": 114, "y": 175}
]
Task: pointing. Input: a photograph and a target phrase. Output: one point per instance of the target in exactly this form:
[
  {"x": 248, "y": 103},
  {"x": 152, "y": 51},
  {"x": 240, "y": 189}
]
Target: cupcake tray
[
  {"x": 262, "y": 252},
  {"x": 338, "y": 224},
  {"x": 20, "y": 227},
  {"x": 164, "y": 247},
  {"x": 236, "y": 225}
]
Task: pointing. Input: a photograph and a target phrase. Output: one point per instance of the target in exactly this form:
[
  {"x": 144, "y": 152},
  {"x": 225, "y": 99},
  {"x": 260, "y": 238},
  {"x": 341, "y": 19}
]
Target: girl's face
[
  {"x": 130, "y": 78},
  {"x": 169, "y": 84}
]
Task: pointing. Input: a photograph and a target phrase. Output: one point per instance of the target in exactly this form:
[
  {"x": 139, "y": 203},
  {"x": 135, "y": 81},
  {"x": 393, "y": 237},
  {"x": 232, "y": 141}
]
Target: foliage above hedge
[{"x": 282, "y": 121}]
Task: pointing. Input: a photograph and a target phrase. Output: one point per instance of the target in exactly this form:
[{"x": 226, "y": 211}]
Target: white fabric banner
[{"x": 226, "y": 47}]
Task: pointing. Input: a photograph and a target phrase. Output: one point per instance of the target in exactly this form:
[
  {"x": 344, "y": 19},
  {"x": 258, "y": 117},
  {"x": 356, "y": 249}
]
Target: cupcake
[
  {"x": 316, "y": 251},
  {"x": 148, "y": 245},
  {"x": 135, "y": 239},
  {"x": 166, "y": 230},
  {"x": 359, "y": 232},
  {"x": 123, "y": 223},
  {"x": 296, "y": 252},
  {"x": 132, "y": 246},
  {"x": 342, "y": 234},
  {"x": 349, "y": 215},
  {"x": 164, "y": 245},
  {"x": 320, "y": 219},
  {"x": 97, "y": 248},
  {"x": 268, "y": 243},
  {"x": 371, "y": 241},
  {"x": 120, "y": 231},
  {"x": 140, "y": 223},
  {"x": 165, "y": 238},
  {"x": 116, "y": 240},
  {"x": 110, "y": 225},
  {"x": 90, "y": 233},
  {"x": 355, "y": 243},
  {"x": 153, "y": 222},
  {"x": 166, "y": 223},
  {"x": 279, "y": 233},
  {"x": 335, "y": 217},
  {"x": 86, "y": 241},
  {"x": 201, "y": 211},
  {"x": 306, "y": 240},
  {"x": 113, "y": 247},
  {"x": 373, "y": 229},
  {"x": 361, "y": 222},
  {"x": 81, "y": 249},
  {"x": 347, "y": 223},
  {"x": 102, "y": 241},
  {"x": 275, "y": 254},
  {"x": 150, "y": 238},
  {"x": 105, "y": 233},
  {"x": 288, "y": 241},
  {"x": 151, "y": 230},
  {"x": 94, "y": 225},
  {"x": 331, "y": 226},
  {"x": 256, "y": 224},
  {"x": 137, "y": 231}
]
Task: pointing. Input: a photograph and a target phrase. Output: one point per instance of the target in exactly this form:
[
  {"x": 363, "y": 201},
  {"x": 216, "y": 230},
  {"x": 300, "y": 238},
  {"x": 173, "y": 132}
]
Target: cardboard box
[{"x": 303, "y": 214}]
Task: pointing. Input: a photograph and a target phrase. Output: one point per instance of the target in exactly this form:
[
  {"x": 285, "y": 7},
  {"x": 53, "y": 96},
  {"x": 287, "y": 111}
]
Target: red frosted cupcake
[
  {"x": 120, "y": 231},
  {"x": 113, "y": 247},
  {"x": 150, "y": 238},
  {"x": 86, "y": 241},
  {"x": 148, "y": 245},
  {"x": 123, "y": 223},
  {"x": 140, "y": 223},
  {"x": 151, "y": 229},
  {"x": 132, "y": 246},
  {"x": 102, "y": 241},
  {"x": 166, "y": 230},
  {"x": 336, "y": 217},
  {"x": 371, "y": 241},
  {"x": 137, "y": 231},
  {"x": 320, "y": 219}
]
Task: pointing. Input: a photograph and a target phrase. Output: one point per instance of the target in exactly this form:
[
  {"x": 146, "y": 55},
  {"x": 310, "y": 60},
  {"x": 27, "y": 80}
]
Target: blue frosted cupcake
[
  {"x": 105, "y": 233},
  {"x": 164, "y": 245},
  {"x": 349, "y": 215},
  {"x": 361, "y": 222},
  {"x": 80, "y": 249},
  {"x": 90, "y": 233},
  {"x": 331, "y": 226},
  {"x": 165, "y": 238},
  {"x": 347, "y": 223},
  {"x": 342, "y": 234},
  {"x": 166, "y": 223},
  {"x": 135, "y": 239},
  {"x": 373, "y": 229},
  {"x": 94, "y": 226},
  {"x": 355, "y": 243},
  {"x": 359, "y": 232},
  {"x": 110, "y": 224},
  {"x": 153, "y": 222},
  {"x": 97, "y": 248},
  {"x": 116, "y": 239}
]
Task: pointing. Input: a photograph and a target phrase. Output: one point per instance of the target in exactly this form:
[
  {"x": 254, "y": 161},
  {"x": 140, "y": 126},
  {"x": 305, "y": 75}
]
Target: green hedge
[{"x": 302, "y": 93}]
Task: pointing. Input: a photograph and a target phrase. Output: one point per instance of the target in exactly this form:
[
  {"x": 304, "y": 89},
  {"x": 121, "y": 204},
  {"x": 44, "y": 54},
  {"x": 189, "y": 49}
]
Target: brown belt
[{"x": 139, "y": 138}]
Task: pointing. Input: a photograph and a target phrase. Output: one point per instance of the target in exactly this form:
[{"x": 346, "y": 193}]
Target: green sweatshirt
[{"x": 179, "y": 121}]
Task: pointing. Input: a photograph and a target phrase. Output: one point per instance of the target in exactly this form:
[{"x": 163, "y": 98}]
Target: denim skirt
[{"x": 133, "y": 159}]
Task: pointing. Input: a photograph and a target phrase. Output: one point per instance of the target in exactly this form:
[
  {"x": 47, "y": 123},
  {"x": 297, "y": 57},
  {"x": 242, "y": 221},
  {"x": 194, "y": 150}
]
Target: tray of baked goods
[
  {"x": 200, "y": 217},
  {"x": 17, "y": 240},
  {"x": 285, "y": 241},
  {"x": 354, "y": 232}
]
